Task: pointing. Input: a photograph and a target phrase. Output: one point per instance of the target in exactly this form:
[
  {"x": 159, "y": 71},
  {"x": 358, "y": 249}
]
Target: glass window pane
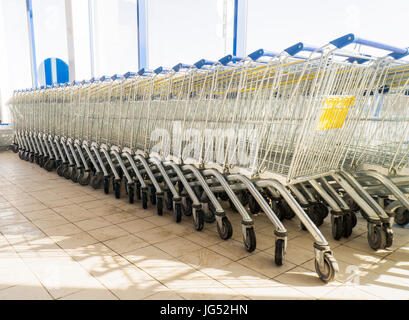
[
  {"x": 115, "y": 36},
  {"x": 275, "y": 25},
  {"x": 187, "y": 31}
]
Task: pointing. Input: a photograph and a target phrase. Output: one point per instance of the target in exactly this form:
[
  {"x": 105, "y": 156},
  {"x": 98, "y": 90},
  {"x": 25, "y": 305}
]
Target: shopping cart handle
[
  {"x": 160, "y": 70},
  {"x": 203, "y": 62},
  {"x": 261, "y": 53},
  {"x": 293, "y": 50},
  {"x": 181, "y": 66},
  {"x": 84, "y": 82},
  {"x": 129, "y": 74},
  {"x": 351, "y": 38},
  {"x": 93, "y": 79},
  {"x": 225, "y": 60},
  {"x": 104, "y": 78},
  {"x": 116, "y": 77}
]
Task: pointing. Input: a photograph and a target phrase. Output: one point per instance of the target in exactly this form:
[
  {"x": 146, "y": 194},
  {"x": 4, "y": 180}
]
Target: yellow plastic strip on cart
[{"x": 334, "y": 112}]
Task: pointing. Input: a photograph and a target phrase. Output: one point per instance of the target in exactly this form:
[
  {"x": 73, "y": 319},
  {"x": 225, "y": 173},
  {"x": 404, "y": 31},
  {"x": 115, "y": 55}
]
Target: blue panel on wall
[{"x": 53, "y": 70}]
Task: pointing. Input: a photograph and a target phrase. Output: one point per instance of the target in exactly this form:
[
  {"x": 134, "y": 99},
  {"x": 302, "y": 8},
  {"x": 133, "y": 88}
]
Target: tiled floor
[{"x": 60, "y": 240}]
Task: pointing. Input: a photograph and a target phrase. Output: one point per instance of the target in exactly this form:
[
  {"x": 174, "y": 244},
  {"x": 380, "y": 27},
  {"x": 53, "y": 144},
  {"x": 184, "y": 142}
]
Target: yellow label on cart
[{"x": 334, "y": 112}]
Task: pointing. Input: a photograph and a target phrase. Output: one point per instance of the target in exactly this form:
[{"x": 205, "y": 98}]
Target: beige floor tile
[
  {"x": 76, "y": 240},
  {"x": 165, "y": 295},
  {"x": 401, "y": 254},
  {"x": 264, "y": 264},
  {"x": 50, "y": 222},
  {"x": 125, "y": 243},
  {"x": 91, "y": 294},
  {"x": 203, "y": 239},
  {"x": 203, "y": 258},
  {"x": 22, "y": 292},
  {"x": 93, "y": 223},
  {"x": 120, "y": 217},
  {"x": 180, "y": 229},
  {"x": 159, "y": 221},
  {"x": 294, "y": 254},
  {"x": 231, "y": 249},
  {"x": 177, "y": 247},
  {"x": 136, "y": 226},
  {"x": 104, "y": 210},
  {"x": 66, "y": 229},
  {"x": 40, "y": 214},
  {"x": 349, "y": 293},
  {"x": 356, "y": 257},
  {"x": 156, "y": 235},
  {"x": 81, "y": 199},
  {"x": 108, "y": 233},
  {"x": 141, "y": 290}
]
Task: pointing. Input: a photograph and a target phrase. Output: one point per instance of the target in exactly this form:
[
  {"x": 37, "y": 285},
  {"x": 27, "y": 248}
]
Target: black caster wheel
[
  {"x": 117, "y": 188},
  {"x": 187, "y": 208},
  {"x": 243, "y": 198},
  {"x": 287, "y": 212},
  {"x": 60, "y": 169},
  {"x": 131, "y": 193},
  {"x": 84, "y": 178},
  {"x": 250, "y": 240},
  {"x": 209, "y": 215},
  {"x": 159, "y": 206},
  {"x": 232, "y": 206},
  {"x": 41, "y": 162},
  {"x": 20, "y": 154},
  {"x": 376, "y": 237},
  {"x": 253, "y": 205},
  {"x": 97, "y": 180},
  {"x": 276, "y": 208},
  {"x": 138, "y": 191},
  {"x": 67, "y": 172},
  {"x": 337, "y": 227},
  {"x": 402, "y": 216},
  {"x": 226, "y": 231},
  {"x": 347, "y": 225},
  {"x": 49, "y": 165},
  {"x": 321, "y": 209},
  {"x": 314, "y": 216},
  {"x": 223, "y": 196},
  {"x": 353, "y": 219},
  {"x": 178, "y": 212},
  {"x": 198, "y": 220},
  {"x": 144, "y": 197},
  {"x": 106, "y": 185},
  {"x": 31, "y": 158},
  {"x": 169, "y": 201},
  {"x": 37, "y": 159},
  {"x": 279, "y": 252},
  {"x": 328, "y": 272},
  {"x": 153, "y": 196},
  {"x": 14, "y": 148},
  {"x": 388, "y": 236},
  {"x": 75, "y": 175}
]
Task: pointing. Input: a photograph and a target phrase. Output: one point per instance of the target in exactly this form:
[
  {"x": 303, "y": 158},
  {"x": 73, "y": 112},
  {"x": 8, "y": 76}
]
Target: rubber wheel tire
[
  {"x": 388, "y": 237},
  {"x": 285, "y": 208},
  {"x": 227, "y": 230},
  {"x": 279, "y": 252},
  {"x": 315, "y": 216},
  {"x": 223, "y": 196},
  {"x": 347, "y": 225},
  {"x": 117, "y": 189},
  {"x": 178, "y": 212},
  {"x": 377, "y": 239},
  {"x": 144, "y": 200},
  {"x": 188, "y": 209},
  {"x": 60, "y": 169},
  {"x": 153, "y": 196},
  {"x": 97, "y": 180},
  {"x": 169, "y": 201},
  {"x": 210, "y": 217},
  {"x": 330, "y": 268},
  {"x": 138, "y": 191},
  {"x": 322, "y": 209},
  {"x": 67, "y": 172},
  {"x": 49, "y": 165},
  {"x": 75, "y": 174},
  {"x": 243, "y": 197},
  {"x": 131, "y": 193},
  {"x": 84, "y": 178},
  {"x": 354, "y": 219},
  {"x": 402, "y": 216},
  {"x": 337, "y": 226},
  {"x": 250, "y": 242},
  {"x": 199, "y": 221},
  {"x": 106, "y": 185},
  {"x": 253, "y": 205},
  {"x": 276, "y": 209},
  {"x": 159, "y": 206}
]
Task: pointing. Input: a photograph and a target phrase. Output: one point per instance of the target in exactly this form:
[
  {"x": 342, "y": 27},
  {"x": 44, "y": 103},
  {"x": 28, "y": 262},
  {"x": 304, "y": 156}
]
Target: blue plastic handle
[
  {"x": 343, "y": 41},
  {"x": 104, "y": 78},
  {"x": 129, "y": 74},
  {"x": 226, "y": 59},
  {"x": 93, "y": 79},
  {"x": 181, "y": 66},
  {"x": 160, "y": 70},
  {"x": 116, "y": 77},
  {"x": 261, "y": 53},
  {"x": 203, "y": 62},
  {"x": 84, "y": 82},
  {"x": 293, "y": 50}
]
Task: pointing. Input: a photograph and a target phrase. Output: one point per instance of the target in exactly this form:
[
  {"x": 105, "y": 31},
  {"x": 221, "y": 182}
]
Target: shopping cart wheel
[
  {"x": 198, "y": 220},
  {"x": 37, "y": 159},
  {"x": 49, "y": 165},
  {"x": 322, "y": 209},
  {"x": 232, "y": 206},
  {"x": 169, "y": 201},
  {"x": 402, "y": 216},
  {"x": 106, "y": 185},
  {"x": 209, "y": 215},
  {"x": 20, "y": 154},
  {"x": 314, "y": 215},
  {"x": 223, "y": 196},
  {"x": 14, "y": 147},
  {"x": 328, "y": 272},
  {"x": 354, "y": 219},
  {"x": 388, "y": 236},
  {"x": 347, "y": 227},
  {"x": 276, "y": 209},
  {"x": 144, "y": 199},
  {"x": 226, "y": 231},
  {"x": 178, "y": 212},
  {"x": 153, "y": 196},
  {"x": 243, "y": 197},
  {"x": 337, "y": 225},
  {"x": 97, "y": 180},
  {"x": 250, "y": 240},
  {"x": 84, "y": 178},
  {"x": 131, "y": 192},
  {"x": 60, "y": 169},
  {"x": 138, "y": 191},
  {"x": 117, "y": 188},
  {"x": 159, "y": 206},
  {"x": 67, "y": 172},
  {"x": 187, "y": 208},
  {"x": 31, "y": 158},
  {"x": 376, "y": 237},
  {"x": 285, "y": 209},
  {"x": 253, "y": 205},
  {"x": 279, "y": 252},
  {"x": 75, "y": 174}
]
